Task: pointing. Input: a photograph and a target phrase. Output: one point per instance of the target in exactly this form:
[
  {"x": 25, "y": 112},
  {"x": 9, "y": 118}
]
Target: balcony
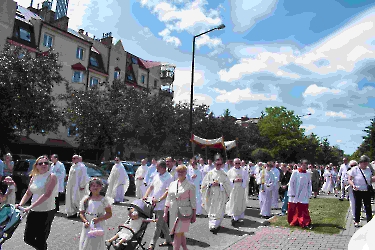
[
  {"x": 166, "y": 92},
  {"x": 167, "y": 73}
]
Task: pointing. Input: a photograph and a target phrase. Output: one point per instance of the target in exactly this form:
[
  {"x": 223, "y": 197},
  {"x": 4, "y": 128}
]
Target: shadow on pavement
[
  {"x": 252, "y": 212},
  {"x": 233, "y": 231},
  {"x": 247, "y": 223},
  {"x": 198, "y": 243}
]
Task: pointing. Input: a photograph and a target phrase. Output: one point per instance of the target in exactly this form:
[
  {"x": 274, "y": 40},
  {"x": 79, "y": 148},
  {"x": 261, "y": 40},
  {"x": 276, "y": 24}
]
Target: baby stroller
[
  {"x": 145, "y": 210},
  {"x": 10, "y": 218}
]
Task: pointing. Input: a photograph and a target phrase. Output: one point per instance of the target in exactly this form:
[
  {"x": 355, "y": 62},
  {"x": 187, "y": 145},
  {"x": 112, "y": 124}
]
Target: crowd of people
[{"x": 180, "y": 192}]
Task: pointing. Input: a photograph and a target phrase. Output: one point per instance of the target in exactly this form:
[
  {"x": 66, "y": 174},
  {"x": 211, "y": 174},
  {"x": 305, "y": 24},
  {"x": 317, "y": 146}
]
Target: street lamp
[
  {"x": 221, "y": 26},
  {"x": 304, "y": 115}
]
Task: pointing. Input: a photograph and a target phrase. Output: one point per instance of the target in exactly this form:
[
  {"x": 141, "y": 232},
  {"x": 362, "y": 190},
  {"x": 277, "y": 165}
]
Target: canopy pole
[{"x": 206, "y": 156}]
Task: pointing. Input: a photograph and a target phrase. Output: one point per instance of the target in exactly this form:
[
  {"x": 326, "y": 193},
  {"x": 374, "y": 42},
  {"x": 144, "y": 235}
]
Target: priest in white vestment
[
  {"x": 140, "y": 174},
  {"x": 195, "y": 177},
  {"x": 299, "y": 192},
  {"x": 275, "y": 191},
  {"x": 239, "y": 179},
  {"x": 151, "y": 171},
  {"x": 118, "y": 182},
  {"x": 266, "y": 180},
  {"x": 75, "y": 187},
  {"x": 216, "y": 190}
]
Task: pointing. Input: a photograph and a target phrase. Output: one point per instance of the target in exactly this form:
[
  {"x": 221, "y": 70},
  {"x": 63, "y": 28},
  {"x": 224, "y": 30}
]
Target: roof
[
  {"x": 149, "y": 64},
  {"x": 25, "y": 15},
  {"x": 75, "y": 33}
]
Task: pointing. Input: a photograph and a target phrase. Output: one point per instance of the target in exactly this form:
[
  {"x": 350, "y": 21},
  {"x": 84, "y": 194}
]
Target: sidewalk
[{"x": 267, "y": 238}]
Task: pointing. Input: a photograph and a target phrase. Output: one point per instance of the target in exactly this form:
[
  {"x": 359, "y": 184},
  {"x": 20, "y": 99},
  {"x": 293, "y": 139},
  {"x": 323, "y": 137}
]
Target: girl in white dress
[
  {"x": 328, "y": 183},
  {"x": 95, "y": 208}
]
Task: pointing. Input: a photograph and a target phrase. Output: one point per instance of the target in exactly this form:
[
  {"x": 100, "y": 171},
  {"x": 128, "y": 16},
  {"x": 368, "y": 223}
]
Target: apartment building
[{"x": 86, "y": 60}]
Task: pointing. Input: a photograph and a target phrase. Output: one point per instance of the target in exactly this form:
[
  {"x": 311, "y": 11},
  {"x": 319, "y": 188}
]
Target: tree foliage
[
  {"x": 26, "y": 86},
  {"x": 367, "y": 146}
]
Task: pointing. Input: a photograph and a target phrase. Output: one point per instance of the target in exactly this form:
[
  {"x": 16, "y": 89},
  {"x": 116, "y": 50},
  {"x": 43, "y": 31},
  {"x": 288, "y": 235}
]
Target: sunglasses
[
  {"x": 43, "y": 163},
  {"x": 219, "y": 164},
  {"x": 237, "y": 163}
]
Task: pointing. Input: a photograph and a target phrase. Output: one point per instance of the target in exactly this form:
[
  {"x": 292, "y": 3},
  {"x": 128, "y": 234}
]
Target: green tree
[
  {"x": 26, "y": 87},
  {"x": 367, "y": 146},
  {"x": 261, "y": 154},
  {"x": 282, "y": 128},
  {"x": 104, "y": 114}
]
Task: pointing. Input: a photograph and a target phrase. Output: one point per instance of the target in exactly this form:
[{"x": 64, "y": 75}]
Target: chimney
[
  {"x": 87, "y": 34},
  {"x": 80, "y": 31},
  {"x": 107, "y": 39},
  {"x": 62, "y": 23}
]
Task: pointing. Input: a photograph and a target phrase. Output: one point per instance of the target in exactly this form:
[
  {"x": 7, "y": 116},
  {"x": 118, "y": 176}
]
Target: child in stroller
[
  {"x": 10, "y": 218},
  {"x": 135, "y": 226}
]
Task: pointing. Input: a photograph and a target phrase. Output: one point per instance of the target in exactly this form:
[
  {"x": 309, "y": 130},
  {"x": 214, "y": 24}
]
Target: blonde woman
[
  {"x": 181, "y": 193},
  {"x": 43, "y": 190}
]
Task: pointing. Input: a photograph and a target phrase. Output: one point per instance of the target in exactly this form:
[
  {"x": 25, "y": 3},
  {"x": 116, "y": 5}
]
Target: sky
[{"x": 305, "y": 55}]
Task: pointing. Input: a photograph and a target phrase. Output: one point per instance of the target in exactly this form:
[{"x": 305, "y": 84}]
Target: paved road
[
  {"x": 251, "y": 234},
  {"x": 65, "y": 232}
]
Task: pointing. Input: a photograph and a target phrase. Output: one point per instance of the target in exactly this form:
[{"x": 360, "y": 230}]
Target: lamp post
[
  {"x": 304, "y": 115},
  {"x": 222, "y": 26}
]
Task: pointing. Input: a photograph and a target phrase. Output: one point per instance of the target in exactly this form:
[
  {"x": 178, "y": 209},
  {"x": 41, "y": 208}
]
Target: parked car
[
  {"x": 21, "y": 171},
  {"x": 17, "y": 157},
  {"x": 92, "y": 171}
]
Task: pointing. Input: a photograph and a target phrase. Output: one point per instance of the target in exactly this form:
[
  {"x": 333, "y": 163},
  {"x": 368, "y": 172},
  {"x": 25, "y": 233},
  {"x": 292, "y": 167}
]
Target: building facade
[{"x": 86, "y": 60}]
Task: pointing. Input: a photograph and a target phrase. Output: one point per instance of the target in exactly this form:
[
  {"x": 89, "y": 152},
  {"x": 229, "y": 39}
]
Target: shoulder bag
[
  {"x": 370, "y": 189},
  {"x": 184, "y": 212}
]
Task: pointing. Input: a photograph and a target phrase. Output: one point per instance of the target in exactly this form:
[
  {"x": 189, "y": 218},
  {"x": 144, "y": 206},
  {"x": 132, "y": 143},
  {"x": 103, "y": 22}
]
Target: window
[
  {"x": 94, "y": 62},
  {"x": 143, "y": 77},
  {"x": 77, "y": 76},
  {"x": 117, "y": 75},
  {"x": 134, "y": 60},
  {"x": 155, "y": 84},
  {"x": 94, "y": 81},
  {"x": 130, "y": 77},
  {"x": 25, "y": 35},
  {"x": 48, "y": 41},
  {"x": 80, "y": 53},
  {"x": 73, "y": 130}
]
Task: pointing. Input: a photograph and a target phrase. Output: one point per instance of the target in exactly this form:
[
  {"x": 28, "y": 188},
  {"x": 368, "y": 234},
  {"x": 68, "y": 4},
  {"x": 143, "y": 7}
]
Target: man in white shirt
[
  {"x": 201, "y": 164},
  {"x": 342, "y": 175},
  {"x": 158, "y": 191},
  {"x": 59, "y": 170}
]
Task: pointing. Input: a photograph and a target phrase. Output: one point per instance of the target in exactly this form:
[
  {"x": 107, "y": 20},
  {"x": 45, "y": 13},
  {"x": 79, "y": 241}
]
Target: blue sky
[{"x": 310, "y": 56}]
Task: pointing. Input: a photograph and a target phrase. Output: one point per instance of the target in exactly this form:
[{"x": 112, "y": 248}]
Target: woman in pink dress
[{"x": 181, "y": 193}]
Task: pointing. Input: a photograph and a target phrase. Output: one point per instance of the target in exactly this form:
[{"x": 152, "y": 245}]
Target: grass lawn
[{"x": 328, "y": 216}]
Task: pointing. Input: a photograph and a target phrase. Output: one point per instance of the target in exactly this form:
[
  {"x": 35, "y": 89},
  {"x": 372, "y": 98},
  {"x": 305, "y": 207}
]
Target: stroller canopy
[{"x": 143, "y": 208}]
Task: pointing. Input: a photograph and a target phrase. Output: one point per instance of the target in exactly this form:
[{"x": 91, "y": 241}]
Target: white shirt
[
  {"x": 160, "y": 184},
  {"x": 59, "y": 170},
  {"x": 343, "y": 169},
  {"x": 38, "y": 187},
  {"x": 358, "y": 179},
  {"x": 151, "y": 171}
]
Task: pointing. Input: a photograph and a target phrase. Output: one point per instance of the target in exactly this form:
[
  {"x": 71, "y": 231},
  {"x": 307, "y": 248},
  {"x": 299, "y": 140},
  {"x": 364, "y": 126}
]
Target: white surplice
[
  {"x": 118, "y": 183},
  {"x": 300, "y": 187},
  {"x": 77, "y": 179},
  {"x": 197, "y": 181},
  {"x": 275, "y": 190},
  {"x": 265, "y": 190},
  {"x": 214, "y": 198},
  {"x": 237, "y": 201},
  {"x": 140, "y": 187}
]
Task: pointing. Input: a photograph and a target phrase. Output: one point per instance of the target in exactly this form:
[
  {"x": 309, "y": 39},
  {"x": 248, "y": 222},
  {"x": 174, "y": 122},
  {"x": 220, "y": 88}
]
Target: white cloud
[
  {"x": 165, "y": 34},
  {"x": 146, "y": 32},
  {"x": 311, "y": 110},
  {"x": 340, "y": 51},
  {"x": 308, "y": 128},
  {"x": 192, "y": 17},
  {"x": 238, "y": 95},
  {"x": 206, "y": 40},
  {"x": 246, "y": 13},
  {"x": 315, "y": 90},
  {"x": 338, "y": 141},
  {"x": 335, "y": 114}
]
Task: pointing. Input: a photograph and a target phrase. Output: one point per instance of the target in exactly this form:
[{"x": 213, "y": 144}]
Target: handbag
[
  {"x": 184, "y": 212},
  {"x": 370, "y": 189},
  {"x": 95, "y": 232}
]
